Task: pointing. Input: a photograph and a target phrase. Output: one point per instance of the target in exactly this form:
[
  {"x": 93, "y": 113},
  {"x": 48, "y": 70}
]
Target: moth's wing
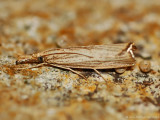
[{"x": 89, "y": 57}]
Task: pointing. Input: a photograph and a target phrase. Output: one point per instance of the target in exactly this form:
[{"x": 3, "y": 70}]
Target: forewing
[{"x": 92, "y": 57}]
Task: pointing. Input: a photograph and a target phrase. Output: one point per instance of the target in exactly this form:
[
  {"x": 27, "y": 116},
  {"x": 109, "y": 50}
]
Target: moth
[{"x": 94, "y": 57}]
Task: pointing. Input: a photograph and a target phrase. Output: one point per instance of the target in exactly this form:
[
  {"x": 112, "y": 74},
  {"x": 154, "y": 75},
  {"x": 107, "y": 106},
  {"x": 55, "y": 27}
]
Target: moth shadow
[{"x": 91, "y": 72}]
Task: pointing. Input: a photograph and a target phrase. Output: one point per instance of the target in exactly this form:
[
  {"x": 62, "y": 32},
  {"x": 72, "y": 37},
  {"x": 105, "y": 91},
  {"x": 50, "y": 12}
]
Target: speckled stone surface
[{"x": 48, "y": 93}]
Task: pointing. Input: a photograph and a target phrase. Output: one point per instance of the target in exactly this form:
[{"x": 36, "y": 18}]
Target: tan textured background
[{"x": 29, "y": 26}]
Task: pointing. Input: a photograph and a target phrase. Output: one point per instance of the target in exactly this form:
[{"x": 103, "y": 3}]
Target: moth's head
[{"x": 29, "y": 59}]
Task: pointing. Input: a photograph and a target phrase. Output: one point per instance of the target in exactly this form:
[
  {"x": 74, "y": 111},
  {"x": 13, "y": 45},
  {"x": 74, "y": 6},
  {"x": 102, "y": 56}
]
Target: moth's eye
[{"x": 40, "y": 59}]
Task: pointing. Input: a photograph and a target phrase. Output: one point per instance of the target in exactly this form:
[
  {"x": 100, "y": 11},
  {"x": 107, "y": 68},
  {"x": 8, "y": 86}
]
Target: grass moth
[{"x": 85, "y": 57}]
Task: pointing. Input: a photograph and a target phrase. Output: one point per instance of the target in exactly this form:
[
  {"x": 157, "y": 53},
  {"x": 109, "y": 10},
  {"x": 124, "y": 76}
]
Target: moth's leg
[
  {"x": 36, "y": 66},
  {"x": 69, "y": 69},
  {"x": 99, "y": 74},
  {"x": 76, "y": 72}
]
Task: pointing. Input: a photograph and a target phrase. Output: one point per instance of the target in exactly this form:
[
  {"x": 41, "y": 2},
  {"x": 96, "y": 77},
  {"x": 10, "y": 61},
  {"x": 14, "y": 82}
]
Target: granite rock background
[{"x": 30, "y": 26}]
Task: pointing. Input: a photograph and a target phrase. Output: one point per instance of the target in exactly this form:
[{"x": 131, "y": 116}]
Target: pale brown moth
[{"x": 85, "y": 57}]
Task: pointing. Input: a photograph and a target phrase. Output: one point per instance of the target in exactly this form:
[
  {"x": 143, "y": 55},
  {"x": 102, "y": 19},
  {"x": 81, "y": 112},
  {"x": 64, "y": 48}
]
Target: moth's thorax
[{"x": 48, "y": 58}]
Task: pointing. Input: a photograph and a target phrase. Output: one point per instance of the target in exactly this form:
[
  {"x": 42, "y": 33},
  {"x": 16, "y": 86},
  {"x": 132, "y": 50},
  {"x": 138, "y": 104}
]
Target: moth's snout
[
  {"x": 20, "y": 62},
  {"x": 26, "y": 59}
]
